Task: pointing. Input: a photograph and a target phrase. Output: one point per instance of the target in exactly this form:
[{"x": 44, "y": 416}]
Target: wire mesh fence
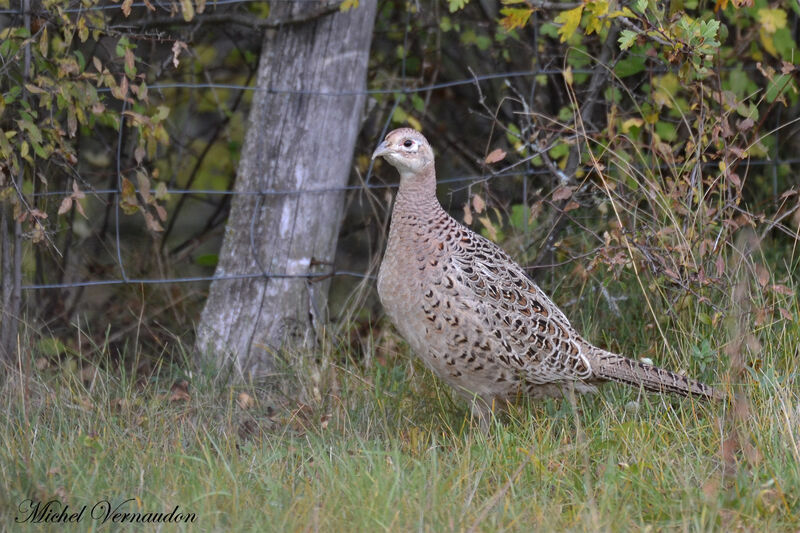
[{"x": 397, "y": 91}]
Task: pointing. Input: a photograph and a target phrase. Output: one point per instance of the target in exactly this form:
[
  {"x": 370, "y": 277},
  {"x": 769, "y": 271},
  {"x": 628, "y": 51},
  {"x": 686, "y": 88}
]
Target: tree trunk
[
  {"x": 10, "y": 285},
  {"x": 295, "y": 142}
]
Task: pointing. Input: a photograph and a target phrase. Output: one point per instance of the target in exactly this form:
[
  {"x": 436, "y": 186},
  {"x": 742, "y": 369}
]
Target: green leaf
[
  {"x": 738, "y": 82},
  {"x": 708, "y": 31},
  {"x": 627, "y": 38},
  {"x": 41, "y": 151},
  {"x": 549, "y": 30},
  {"x": 569, "y": 21},
  {"x": 399, "y": 116},
  {"x": 122, "y": 44},
  {"x": 559, "y": 150},
  {"x": 207, "y": 260},
  {"x": 519, "y": 215},
  {"x": 785, "y": 45},
  {"x": 34, "y": 134},
  {"x": 778, "y": 86},
  {"x": 418, "y": 103},
  {"x": 51, "y": 347},
  {"x": 666, "y": 130},
  {"x": 629, "y": 66},
  {"x": 455, "y": 5}
]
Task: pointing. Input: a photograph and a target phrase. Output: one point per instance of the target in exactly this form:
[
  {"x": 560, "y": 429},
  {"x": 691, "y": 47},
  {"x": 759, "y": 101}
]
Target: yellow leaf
[
  {"x": 767, "y": 42},
  {"x": 515, "y": 17},
  {"x": 83, "y": 30},
  {"x": 490, "y": 228},
  {"x": 43, "y": 42},
  {"x": 347, "y": 5},
  {"x": 569, "y": 20},
  {"x": 188, "y": 10},
  {"x": 624, "y": 12},
  {"x": 568, "y": 76},
  {"x": 598, "y": 16},
  {"x": 414, "y": 123},
  {"x": 772, "y": 19},
  {"x": 631, "y": 123}
]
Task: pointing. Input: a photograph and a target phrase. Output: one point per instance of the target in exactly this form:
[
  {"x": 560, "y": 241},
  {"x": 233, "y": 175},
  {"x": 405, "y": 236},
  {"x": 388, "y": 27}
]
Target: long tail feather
[{"x": 615, "y": 367}]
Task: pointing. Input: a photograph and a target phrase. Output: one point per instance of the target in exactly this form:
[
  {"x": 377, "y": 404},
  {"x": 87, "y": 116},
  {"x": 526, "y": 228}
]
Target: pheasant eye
[{"x": 408, "y": 143}]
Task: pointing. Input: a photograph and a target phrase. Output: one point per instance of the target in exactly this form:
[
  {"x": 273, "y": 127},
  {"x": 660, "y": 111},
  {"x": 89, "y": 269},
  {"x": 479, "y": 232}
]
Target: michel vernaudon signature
[{"x": 54, "y": 511}]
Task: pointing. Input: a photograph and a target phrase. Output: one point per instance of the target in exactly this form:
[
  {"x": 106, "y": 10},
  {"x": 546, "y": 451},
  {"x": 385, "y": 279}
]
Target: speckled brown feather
[{"x": 472, "y": 314}]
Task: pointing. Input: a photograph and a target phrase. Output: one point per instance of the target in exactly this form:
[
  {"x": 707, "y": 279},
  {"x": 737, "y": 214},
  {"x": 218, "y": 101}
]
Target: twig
[
  {"x": 596, "y": 84},
  {"x": 628, "y": 23},
  {"x": 241, "y": 19}
]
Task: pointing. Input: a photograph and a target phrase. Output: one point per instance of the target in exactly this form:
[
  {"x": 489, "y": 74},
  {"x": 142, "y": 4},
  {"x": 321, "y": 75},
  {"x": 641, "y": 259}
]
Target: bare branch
[{"x": 241, "y": 19}]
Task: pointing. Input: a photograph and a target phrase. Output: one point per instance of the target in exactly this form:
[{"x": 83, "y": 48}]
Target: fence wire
[{"x": 398, "y": 92}]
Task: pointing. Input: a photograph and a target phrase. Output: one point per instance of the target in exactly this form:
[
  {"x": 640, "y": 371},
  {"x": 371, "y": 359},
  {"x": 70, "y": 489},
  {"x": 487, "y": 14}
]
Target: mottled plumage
[{"x": 472, "y": 314}]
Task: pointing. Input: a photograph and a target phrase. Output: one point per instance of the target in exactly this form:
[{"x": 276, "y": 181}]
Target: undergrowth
[{"x": 385, "y": 446}]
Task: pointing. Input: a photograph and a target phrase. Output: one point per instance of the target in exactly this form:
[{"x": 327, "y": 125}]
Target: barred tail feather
[{"x": 615, "y": 367}]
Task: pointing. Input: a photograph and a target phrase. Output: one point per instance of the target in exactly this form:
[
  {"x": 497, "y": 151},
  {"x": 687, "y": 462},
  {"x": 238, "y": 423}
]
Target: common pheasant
[{"x": 473, "y": 315}]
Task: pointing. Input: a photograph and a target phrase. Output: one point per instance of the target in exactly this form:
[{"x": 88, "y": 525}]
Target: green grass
[{"x": 387, "y": 448}]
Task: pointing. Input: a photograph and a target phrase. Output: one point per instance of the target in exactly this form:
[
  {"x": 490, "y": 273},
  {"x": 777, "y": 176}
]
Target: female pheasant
[{"x": 472, "y": 314}]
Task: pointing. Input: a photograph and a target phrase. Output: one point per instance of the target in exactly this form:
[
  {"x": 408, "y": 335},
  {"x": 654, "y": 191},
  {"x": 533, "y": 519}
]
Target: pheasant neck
[{"x": 417, "y": 193}]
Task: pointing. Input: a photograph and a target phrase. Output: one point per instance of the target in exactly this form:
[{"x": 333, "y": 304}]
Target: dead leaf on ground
[
  {"x": 245, "y": 401},
  {"x": 180, "y": 391},
  {"x": 781, "y": 289},
  {"x": 88, "y": 373},
  {"x": 729, "y": 448},
  {"x": 711, "y": 488},
  {"x": 720, "y": 265},
  {"x": 762, "y": 274},
  {"x": 247, "y": 429}
]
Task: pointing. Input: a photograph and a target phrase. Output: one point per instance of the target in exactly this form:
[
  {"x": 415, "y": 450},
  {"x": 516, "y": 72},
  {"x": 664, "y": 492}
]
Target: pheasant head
[{"x": 407, "y": 150}]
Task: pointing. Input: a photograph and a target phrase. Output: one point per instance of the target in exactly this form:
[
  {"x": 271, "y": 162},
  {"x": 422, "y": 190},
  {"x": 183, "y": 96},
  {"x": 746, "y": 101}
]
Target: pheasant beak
[{"x": 382, "y": 149}]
